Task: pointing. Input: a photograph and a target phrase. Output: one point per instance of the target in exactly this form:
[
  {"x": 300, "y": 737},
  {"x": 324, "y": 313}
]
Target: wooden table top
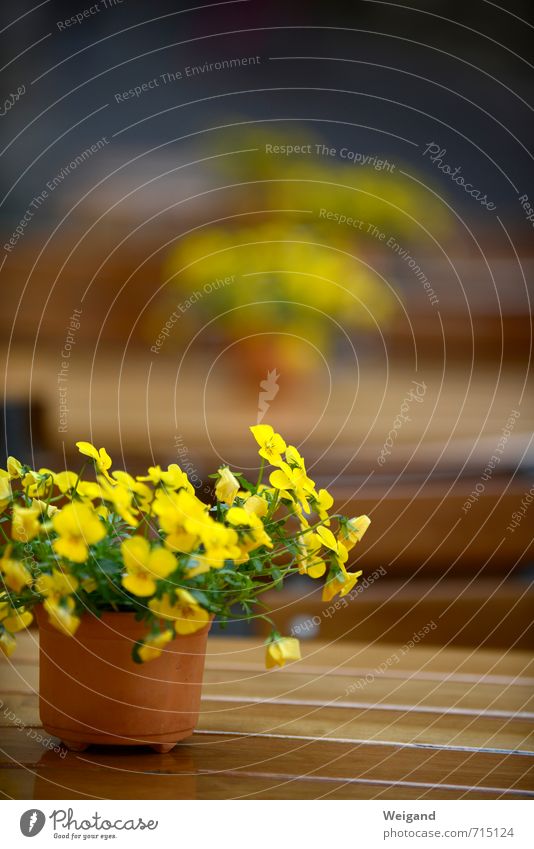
[{"x": 348, "y": 721}]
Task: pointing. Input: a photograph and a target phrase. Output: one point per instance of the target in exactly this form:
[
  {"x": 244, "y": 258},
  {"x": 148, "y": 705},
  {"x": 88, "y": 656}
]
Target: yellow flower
[
  {"x": 328, "y": 539},
  {"x": 14, "y": 619},
  {"x": 227, "y": 486},
  {"x": 188, "y": 616},
  {"x": 65, "y": 481},
  {"x": 89, "y": 490},
  {"x": 14, "y": 467},
  {"x": 216, "y": 557},
  {"x": 257, "y": 505},
  {"x": 154, "y": 644},
  {"x": 100, "y": 456},
  {"x": 354, "y": 531},
  {"x": 61, "y": 614},
  {"x": 252, "y": 529},
  {"x": 281, "y": 650},
  {"x": 341, "y": 583},
  {"x": 271, "y": 444},
  {"x": 44, "y": 508},
  {"x": 173, "y": 478},
  {"x": 26, "y": 525},
  {"x": 294, "y": 480},
  {"x": 239, "y": 516},
  {"x": 14, "y": 573},
  {"x": 8, "y": 643},
  {"x": 142, "y": 493},
  {"x": 220, "y": 545},
  {"x": 180, "y": 515},
  {"x": 145, "y": 565},
  {"x": 323, "y": 505},
  {"x": 88, "y": 585},
  {"x": 57, "y": 585},
  {"x": 39, "y": 484},
  {"x": 120, "y": 498},
  {"x": 5, "y": 492},
  {"x": 293, "y": 458},
  {"x": 310, "y": 563},
  {"x": 77, "y": 527},
  {"x": 183, "y": 507}
]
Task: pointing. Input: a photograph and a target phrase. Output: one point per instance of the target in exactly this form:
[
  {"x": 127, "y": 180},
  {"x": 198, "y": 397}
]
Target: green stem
[
  {"x": 260, "y": 476},
  {"x": 272, "y": 508},
  {"x": 78, "y": 479}
]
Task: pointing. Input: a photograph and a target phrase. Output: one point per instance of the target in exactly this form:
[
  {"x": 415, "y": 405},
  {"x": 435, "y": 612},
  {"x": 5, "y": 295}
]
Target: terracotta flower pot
[{"x": 91, "y": 691}]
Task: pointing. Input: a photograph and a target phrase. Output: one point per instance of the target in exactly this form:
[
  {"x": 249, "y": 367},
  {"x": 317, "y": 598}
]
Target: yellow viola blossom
[
  {"x": 296, "y": 481},
  {"x": 44, "y": 508},
  {"x": 8, "y": 643},
  {"x": 142, "y": 494},
  {"x": 14, "y": 619},
  {"x": 145, "y": 565},
  {"x": 310, "y": 563},
  {"x": 65, "y": 480},
  {"x": 294, "y": 459},
  {"x": 341, "y": 583},
  {"x": 154, "y": 644},
  {"x": 272, "y": 446},
  {"x": 180, "y": 516},
  {"x": 188, "y": 616},
  {"x": 14, "y": 574},
  {"x": 77, "y": 527},
  {"x": 257, "y": 505},
  {"x": 121, "y": 500},
  {"x": 5, "y": 491},
  {"x": 25, "y": 524},
  {"x": 220, "y": 543},
  {"x": 323, "y": 504},
  {"x": 282, "y": 650},
  {"x": 354, "y": 531},
  {"x": 182, "y": 507},
  {"x": 227, "y": 486},
  {"x": 174, "y": 478},
  {"x": 61, "y": 614},
  {"x": 89, "y": 491},
  {"x": 197, "y": 565},
  {"x": 89, "y": 585},
  {"x": 14, "y": 468},
  {"x": 328, "y": 539},
  {"x": 100, "y": 456},
  {"x": 39, "y": 484},
  {"x": 56, "y": 585},
  {"x": 251, "y": 526},
  {"x": 216, "y": 556}
]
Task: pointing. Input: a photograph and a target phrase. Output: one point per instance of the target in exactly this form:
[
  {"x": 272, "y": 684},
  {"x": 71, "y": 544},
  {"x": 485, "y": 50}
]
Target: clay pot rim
[{"x": 110, "y": 625}]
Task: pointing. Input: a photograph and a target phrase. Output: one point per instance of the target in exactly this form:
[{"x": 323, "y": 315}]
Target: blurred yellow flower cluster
[
  {"x": 286, "y": 276},
  {"x": 149, "y": 545},
  {"x": 297, "y": 258}
]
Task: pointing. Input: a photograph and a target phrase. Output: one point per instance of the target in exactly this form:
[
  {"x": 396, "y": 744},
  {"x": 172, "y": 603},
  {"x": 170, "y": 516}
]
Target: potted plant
[{"x": 125, "y": 575}]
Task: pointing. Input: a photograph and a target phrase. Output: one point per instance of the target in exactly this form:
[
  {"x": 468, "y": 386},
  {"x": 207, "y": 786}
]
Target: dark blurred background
[{"x": 168, "y": 266}]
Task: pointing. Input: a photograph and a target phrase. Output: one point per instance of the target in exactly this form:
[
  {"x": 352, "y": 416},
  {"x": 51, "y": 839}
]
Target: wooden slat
[
  {"x": 326, "y": 759},
  {"x": 54, "y": 784},
  {"x": 337, "y": 656}
]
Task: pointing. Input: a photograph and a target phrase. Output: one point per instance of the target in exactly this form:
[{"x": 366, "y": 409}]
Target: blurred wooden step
[{"x": 477, "y": 613}]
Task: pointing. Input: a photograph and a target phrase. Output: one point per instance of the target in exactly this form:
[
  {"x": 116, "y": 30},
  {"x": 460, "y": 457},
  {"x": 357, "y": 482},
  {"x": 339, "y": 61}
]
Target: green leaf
[{"x": 135, "y": 652}]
